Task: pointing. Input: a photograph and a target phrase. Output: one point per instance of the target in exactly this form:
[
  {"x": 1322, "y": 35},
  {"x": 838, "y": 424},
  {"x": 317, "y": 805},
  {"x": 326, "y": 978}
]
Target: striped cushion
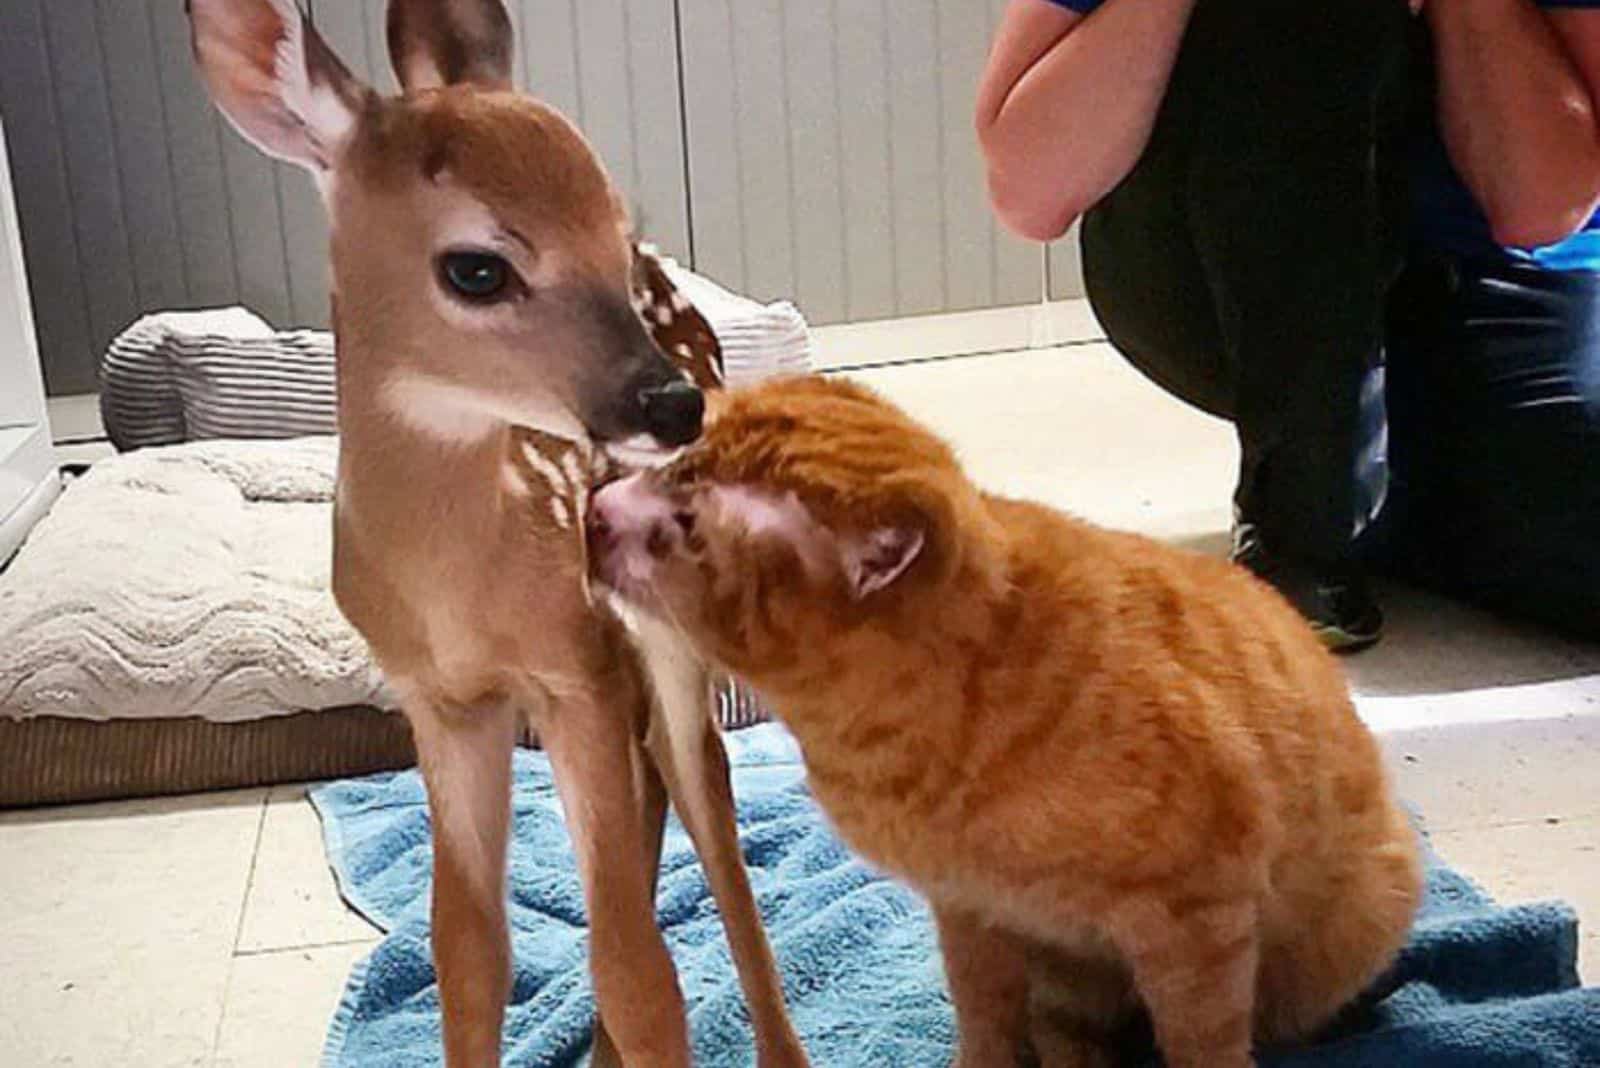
[
  {"x": 278, "y": 387},
  {"x": 192, "y": 376}
]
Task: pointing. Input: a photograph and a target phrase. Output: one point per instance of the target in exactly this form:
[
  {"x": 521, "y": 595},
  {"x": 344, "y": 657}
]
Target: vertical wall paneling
[
  {"x": 134, "y": 195},
  {"x": 194, "y": 145},
  {"x": 257, "y": 223},
  {"x": 709, "y": 91},
  {"x": 863, "y": 94},
  {"x": 761, "y": 107},
  {"x": 969, "y": 267},
  {"x": 139, "y": 124},
  {"x": 604, "y": 71},
  {"x": 83, "y": 110},
  {"x": 916, "y": 150},
  {"x": 821, "y": 268},
  {"x": 305, "y": 246},
  {"x": 832, "y": 159},
  {"x": 654, "y": 107},
  {"x": 818, "y": 150},
  {"x": 44, "y": 200}
]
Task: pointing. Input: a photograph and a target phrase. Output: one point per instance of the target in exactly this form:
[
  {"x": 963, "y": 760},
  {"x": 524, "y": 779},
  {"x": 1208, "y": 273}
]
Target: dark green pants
[{"x": 1244, "y": 263}]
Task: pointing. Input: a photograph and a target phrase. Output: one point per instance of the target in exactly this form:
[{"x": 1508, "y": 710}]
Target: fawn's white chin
[{"x": 640, "y": 451}]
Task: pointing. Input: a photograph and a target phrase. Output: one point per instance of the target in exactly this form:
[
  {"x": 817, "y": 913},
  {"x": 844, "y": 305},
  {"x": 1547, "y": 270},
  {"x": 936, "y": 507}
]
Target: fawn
[{"x": 486, "y": 305}]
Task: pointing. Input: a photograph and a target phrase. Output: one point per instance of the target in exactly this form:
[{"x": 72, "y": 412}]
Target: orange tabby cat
[{"x": 1123, "y": 775}]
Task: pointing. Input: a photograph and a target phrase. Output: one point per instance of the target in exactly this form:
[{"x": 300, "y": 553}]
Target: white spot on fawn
[
  {"x": 446, "y": 412},
  {"x": 640, "y": 450},
  {"x": 546, "y": 470},
  {"x": 571, "y": 468}
]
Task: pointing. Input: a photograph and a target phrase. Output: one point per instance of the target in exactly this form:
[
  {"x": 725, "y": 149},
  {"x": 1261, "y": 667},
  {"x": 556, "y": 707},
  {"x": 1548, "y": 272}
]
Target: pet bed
[
  {"x": 167, "y": 619},
  {"x": 1479, "y": 986},
  {"x": 168, "y": 627}
]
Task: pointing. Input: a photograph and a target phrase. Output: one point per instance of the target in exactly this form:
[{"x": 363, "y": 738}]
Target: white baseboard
[
  {"x": 925, "y": 337},
  {"x": 75, "y": 417},
  {"x": 84, "y": 452}
]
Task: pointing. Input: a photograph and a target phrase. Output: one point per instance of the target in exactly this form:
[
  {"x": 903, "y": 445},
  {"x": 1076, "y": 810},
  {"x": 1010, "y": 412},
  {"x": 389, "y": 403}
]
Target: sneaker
[{"x": 1336, "y": 602}]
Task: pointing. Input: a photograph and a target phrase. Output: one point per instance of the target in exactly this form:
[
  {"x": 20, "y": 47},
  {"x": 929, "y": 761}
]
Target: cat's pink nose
[
  {"x": 624, "y": 507},
  {"x": 626, "y": 516}
]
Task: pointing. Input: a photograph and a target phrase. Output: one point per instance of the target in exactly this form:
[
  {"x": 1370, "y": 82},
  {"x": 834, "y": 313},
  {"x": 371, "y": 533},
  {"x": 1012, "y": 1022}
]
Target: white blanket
[{"x": 191, "y": 580}]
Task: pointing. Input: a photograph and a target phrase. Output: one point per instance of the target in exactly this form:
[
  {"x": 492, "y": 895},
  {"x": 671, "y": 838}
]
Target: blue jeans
[{"x": 1494, "y": 437}]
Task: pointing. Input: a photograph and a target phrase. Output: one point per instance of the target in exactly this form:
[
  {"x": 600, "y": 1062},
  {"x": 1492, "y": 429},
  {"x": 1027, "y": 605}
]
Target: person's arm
[
  {"x": 1516, "y": 110},
  {"x": 1067, "y": 102}
]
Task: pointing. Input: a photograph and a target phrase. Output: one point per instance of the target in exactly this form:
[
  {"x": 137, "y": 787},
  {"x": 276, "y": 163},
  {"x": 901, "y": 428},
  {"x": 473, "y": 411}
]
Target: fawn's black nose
[{"x": 673, "y": 412}]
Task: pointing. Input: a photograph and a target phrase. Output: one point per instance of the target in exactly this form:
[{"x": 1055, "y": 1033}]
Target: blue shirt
[{"x": 1445, "y": 215}]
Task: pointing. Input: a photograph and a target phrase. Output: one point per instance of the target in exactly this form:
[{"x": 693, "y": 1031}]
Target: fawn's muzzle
[{"x": 673, "y": 412}]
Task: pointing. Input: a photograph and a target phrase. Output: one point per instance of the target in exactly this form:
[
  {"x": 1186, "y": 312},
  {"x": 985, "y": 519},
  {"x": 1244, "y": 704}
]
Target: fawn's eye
[{"x": 478, "y": 277}]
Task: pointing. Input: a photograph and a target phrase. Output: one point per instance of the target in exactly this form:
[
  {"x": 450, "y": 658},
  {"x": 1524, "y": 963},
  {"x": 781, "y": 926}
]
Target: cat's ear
[{"x": 873, "y": 560}]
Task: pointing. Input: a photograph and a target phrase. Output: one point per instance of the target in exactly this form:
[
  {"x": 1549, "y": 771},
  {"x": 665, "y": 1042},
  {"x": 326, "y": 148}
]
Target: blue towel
[{"x": 1479, "y": 985}]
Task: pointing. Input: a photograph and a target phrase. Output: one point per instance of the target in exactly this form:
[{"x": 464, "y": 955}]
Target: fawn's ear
[
  {"x": 275, "y": 79},
  {"x": 450, "y": 42}
]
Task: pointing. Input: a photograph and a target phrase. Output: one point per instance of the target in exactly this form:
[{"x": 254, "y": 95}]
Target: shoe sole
[{"x": 1338, "y": 640}]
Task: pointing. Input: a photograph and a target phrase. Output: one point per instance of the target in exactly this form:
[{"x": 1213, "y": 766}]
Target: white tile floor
[{"x": 206, "y": 930}]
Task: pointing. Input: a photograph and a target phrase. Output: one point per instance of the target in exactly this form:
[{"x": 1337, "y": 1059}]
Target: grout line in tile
[
  {"x": 250, "y": 877},
  {"x": 238, "y": 932},
  {"x": 265, "y": 951}
]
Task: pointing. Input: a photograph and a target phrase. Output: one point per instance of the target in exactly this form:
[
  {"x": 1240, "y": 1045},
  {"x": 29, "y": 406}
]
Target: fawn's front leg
[
  {"x": 650, "y": 793},
  {"x": 683, "y": 740},
  {"x": 695, "y": 765},
  {"x": 465, "y": 754},
  {"x": 591, "y": 744}
]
